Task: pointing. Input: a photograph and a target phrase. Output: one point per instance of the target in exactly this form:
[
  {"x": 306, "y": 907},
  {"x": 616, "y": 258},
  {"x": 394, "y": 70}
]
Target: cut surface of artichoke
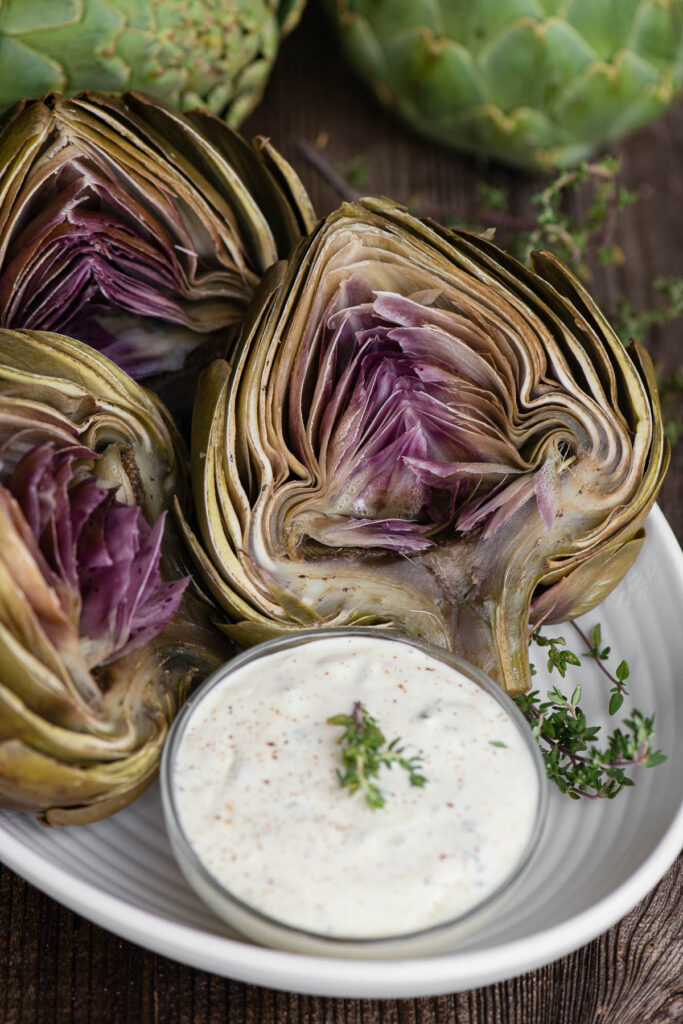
[
  {"x": 137, "y": 229},
  {"x": 94, "y": 660},
  {"x": 417, "y": 431}
]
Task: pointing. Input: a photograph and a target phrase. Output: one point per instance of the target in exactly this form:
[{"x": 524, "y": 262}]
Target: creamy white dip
[{"x": 260, "y": 801}]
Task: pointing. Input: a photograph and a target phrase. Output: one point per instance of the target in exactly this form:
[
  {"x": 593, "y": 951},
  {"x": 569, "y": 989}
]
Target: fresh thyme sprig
[
  {"x": 632, "y": 323},
  {"x": 601, "y": 654},
  {"x": 559, "y": 657},
  {"x": 365, "y": 750},
  {"x": 573, "y": 237},
  {"x": 572, "y": 761}
]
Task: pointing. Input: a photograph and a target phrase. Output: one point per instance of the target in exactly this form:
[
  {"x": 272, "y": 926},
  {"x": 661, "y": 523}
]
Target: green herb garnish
[
  {"x": 365, "y": 750},
  {"x": 572, "y": 761}
]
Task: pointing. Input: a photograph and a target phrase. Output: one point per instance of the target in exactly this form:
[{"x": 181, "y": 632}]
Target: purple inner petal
[
  {"x": 411, "y": 409},
  {"x": 100, "y": 556},
  {"x": 88, "y": 255}
]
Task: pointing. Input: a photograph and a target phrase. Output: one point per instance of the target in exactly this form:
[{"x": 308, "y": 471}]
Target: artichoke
[
  {"x": 534, "y": 83},
  {"x": 94, "y": 664},
  {"x": 210, "y": 53},
  {"x": 419, "y": 432},
  {"x": 138, "y": 230}
]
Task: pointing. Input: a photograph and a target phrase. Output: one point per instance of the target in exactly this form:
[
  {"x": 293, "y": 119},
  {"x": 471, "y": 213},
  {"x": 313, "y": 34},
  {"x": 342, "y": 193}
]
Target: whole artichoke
[
  {"x": 136, "y": 229},
  {"x": 216, "y": 54},
  {"x": 93, "y": 664},
  {"x": 417, "y": 431},
  {"x": 534, "y": 83}
]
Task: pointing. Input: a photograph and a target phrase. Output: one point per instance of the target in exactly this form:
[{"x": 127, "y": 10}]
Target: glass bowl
[{"x": 256, "y": 924}]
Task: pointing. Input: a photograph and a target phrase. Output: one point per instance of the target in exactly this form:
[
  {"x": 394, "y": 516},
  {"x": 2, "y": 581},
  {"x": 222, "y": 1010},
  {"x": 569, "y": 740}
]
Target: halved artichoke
[
  {"x": 417, "y": 430},
  {"x": 94, "y": 661},
  {"x": 137, "y": 229}
]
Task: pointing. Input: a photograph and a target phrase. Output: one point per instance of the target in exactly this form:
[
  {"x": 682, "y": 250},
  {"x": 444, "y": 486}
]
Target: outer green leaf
[
  {"x": 211, "y": 53},
  {"x": 534, "y": 83}
]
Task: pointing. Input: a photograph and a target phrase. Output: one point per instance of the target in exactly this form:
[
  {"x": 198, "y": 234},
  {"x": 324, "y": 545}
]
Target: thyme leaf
[
  {"x": 572, "y": 760},
  {"x": 365, "y": 750}
]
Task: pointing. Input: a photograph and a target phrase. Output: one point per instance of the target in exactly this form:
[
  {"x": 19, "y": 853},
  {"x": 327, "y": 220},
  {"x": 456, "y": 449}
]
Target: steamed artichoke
[
  {"x": 138, "y": 230},
  {"x": 94, "y": 663},
  {"x": 209, "y": 53},
  {"x": 534, "y": 83},
  {"x": 418, "y": 431}
]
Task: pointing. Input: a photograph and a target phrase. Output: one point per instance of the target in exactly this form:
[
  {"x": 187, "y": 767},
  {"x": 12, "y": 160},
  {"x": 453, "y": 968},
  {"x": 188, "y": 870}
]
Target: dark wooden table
[{"x": 56, "y": 967}]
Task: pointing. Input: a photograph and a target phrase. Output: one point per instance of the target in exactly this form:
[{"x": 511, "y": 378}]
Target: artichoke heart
[
  {"x": 418, "y": 431},
  {"x": 95, "y": 660}
]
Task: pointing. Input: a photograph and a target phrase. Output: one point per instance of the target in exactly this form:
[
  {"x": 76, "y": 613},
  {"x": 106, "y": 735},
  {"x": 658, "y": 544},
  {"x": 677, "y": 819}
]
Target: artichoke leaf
[{"x": 582, "y": 588}]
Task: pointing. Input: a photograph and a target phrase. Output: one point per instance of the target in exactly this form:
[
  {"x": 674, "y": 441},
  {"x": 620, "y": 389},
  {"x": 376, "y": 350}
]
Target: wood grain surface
[{"x": 57, "y": 968}]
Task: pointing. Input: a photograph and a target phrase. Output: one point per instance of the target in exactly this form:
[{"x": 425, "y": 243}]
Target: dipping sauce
[{"x": 258, "y": 796}]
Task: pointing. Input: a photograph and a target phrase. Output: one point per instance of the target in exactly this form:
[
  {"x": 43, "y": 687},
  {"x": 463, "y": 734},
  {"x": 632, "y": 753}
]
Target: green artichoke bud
[
  {"x": 216, "y": 54},
  {"x": 417, "y": 431},
  {"x": 535, "y": 83},
  {"x": 95, "y": 661},
  {"x": 138, "y": 230}
]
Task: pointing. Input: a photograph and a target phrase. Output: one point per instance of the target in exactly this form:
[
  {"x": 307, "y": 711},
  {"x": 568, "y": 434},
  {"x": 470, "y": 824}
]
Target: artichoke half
[
  {"x": 95, "y": 660},
  {"x": 537, "y": 84},
  {"x": 418, "y": 431},
  {"x": 216, "y": 54},
  {"x": 138, "y": 230}
]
